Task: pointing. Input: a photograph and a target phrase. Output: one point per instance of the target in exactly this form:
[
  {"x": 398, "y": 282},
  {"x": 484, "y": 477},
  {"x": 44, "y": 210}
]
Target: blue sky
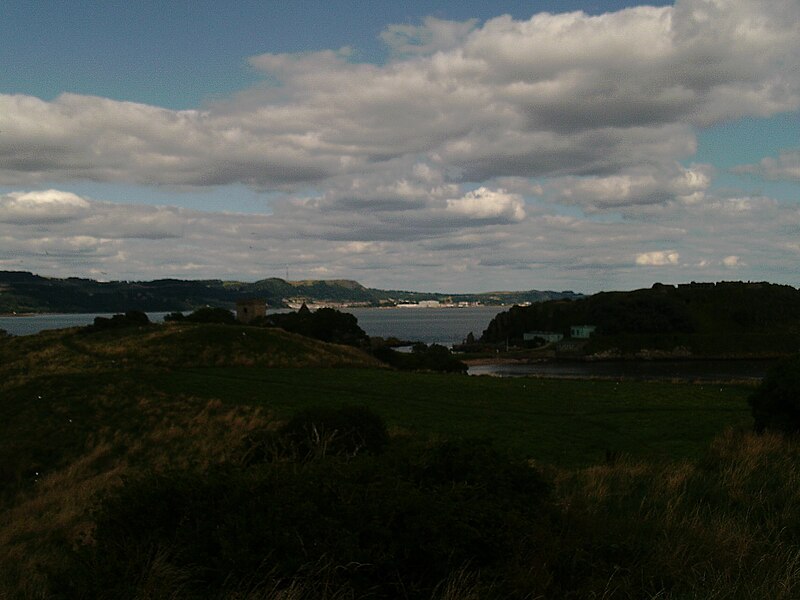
[
  {"x": 579, "y": 145},
  {"x": 181, "y": 54}
]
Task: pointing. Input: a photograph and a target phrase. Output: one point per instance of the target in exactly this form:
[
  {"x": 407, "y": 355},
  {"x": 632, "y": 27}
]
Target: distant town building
[
  {"x": 247, "y": 310},
  {"x": 581, "y": 332},
  {"x": 429, "y": 303},
  {"x": 548, "y": 336}
]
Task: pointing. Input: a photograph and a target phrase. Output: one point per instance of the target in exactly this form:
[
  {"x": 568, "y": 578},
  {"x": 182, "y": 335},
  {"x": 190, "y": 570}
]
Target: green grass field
[
  {"x": 563, "y": 422},
  {"x": 61, "y": 389}
]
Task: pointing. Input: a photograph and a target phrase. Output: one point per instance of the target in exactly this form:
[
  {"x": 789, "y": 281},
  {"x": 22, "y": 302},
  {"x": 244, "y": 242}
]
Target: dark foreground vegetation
[
  {"x": 776, "y": 403},
  {"x": 220, "y": 461}
]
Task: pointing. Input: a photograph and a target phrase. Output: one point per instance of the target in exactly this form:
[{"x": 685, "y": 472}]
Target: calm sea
[
  {"x": 702, "y": 371},
  {"x": 430, "y": 325},
  {"x": 444, "y": 326}
]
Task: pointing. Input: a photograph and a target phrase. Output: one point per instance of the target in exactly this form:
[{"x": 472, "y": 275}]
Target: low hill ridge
[
  {"x": 173, "y": 345},
  {"x": 22, "y": 292}
]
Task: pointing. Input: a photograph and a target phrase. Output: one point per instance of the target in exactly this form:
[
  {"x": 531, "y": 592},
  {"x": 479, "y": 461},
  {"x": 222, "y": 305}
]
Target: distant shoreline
[{"x": 500, "y": 361}]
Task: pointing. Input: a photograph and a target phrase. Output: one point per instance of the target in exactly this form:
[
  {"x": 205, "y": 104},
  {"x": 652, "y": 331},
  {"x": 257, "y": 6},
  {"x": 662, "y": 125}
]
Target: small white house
[{"x": 581, "y": 332}]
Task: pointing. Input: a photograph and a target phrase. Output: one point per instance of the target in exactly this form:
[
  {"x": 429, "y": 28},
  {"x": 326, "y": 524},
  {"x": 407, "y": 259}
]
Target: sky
[{"x": 454, "y": 146}]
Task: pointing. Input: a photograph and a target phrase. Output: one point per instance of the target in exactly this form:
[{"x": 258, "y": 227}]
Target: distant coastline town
[
  {"x": 296, "y": 303},
  {"x": 25, "y": 293}
]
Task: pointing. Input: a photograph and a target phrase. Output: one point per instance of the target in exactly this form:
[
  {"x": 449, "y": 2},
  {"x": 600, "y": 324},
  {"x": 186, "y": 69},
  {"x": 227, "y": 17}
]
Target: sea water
[{"x": 446, "y": 326}]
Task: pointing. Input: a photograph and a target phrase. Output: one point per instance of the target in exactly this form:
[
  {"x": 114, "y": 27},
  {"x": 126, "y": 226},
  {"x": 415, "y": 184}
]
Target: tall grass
[
  {"x": 726, "y": 526},
  {"x": 47, "y": 520}
]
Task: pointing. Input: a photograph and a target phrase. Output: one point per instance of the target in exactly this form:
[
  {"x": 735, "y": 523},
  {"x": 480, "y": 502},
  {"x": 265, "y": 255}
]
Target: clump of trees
[
  {"x": 207, "y": 314},
  {"x": 324, "y": 324},
  {"x": 422, "y": 357},
  {"x": 131, "y": 318},
  {"x": 776, "y": 403}
]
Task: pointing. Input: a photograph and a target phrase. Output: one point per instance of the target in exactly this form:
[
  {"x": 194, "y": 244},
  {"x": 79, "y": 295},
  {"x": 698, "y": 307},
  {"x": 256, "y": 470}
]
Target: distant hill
[
  {"x": 25, "y": 292},
  {"x": 722, "y": 319}
]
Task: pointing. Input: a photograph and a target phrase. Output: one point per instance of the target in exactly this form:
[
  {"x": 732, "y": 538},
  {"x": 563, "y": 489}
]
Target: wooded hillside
[{"x": 722, "y": 315}]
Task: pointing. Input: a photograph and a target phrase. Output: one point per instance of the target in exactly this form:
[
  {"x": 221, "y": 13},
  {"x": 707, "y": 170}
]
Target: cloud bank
[
  {"x": 557, "y": 94},
  {"x": 721, "y": 238},
  {"x": 475, "y": 147}
]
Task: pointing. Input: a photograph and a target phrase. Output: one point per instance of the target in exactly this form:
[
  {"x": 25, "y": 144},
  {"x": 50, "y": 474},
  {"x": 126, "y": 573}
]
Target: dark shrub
[
  {"x": 776, "y": 403},
  {"x": 325, "y": 324},
  {"x": 132, "y": 318},
  {"x": 438, "y": 358},
  {"x": 211, "y": 314},
  {"x": 386, "y": 526},
  {"x": 174, "y": 316},
  {"x": 348, "y": 430},
  {"x": 422, "y": 358}
]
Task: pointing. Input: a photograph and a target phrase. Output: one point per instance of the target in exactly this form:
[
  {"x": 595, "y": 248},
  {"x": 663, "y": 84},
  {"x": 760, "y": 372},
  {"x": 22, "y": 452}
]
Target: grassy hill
[
  {"x": 562, "y": 422},
  {"x": 170, "y": 345},
  {"x": 124, "y": 472}
]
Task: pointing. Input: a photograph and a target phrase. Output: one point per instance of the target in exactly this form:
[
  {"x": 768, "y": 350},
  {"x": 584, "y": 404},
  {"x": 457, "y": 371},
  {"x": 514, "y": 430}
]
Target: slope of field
[{"x": 105, "y": 376}]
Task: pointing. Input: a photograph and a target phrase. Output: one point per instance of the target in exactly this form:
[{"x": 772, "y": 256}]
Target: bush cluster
[
  {"x": 422, "y": 358},
  {"x": 389, "y": 524},
  {"x": 131, "y": 318},
  {"x": 207, "y": 314},
  {"x": 776, "y": 403},
  {"x": 324, "y": 324}
]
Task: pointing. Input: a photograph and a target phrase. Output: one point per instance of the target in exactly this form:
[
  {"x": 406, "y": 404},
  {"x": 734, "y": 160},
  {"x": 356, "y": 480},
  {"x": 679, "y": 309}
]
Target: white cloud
[
  {"x": 450, "y": 251},
  {"x": 730, "y": 261},
  {"x": 785, "y": 167},
  {"x": 658, "y": 258},
  {"x": 634, "y": 187},
  {"x": 488, "y": 204},
  {"x": 41, "y": 207}
]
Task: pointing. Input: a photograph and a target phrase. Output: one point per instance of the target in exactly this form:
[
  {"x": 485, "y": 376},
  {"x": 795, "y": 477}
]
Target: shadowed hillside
[{"x": 728, "y": 318}]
